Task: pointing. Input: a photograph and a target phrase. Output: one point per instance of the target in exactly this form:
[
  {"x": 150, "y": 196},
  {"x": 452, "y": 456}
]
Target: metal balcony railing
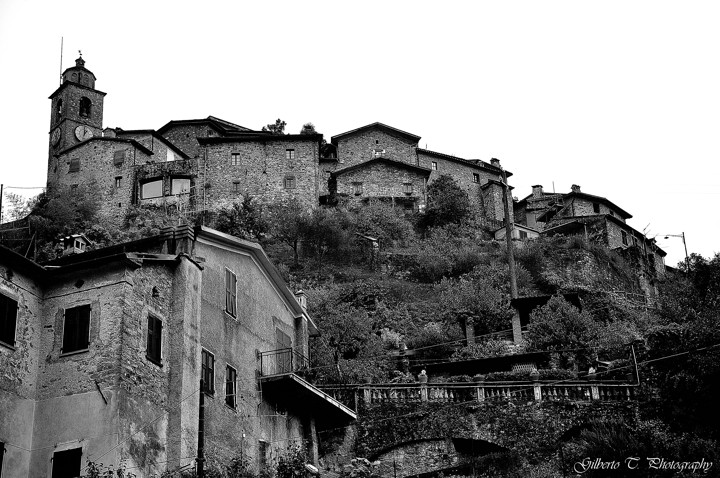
[{"x": 282, "y": 361}]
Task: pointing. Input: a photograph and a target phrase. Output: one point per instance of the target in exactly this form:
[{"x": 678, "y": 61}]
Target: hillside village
[{"x": 205, "y": 299}]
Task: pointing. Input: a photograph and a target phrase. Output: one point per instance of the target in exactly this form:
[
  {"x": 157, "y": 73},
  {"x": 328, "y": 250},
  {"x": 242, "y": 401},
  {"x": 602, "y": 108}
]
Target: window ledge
[
  {"x": 232, "y": 409},
  {"x": 74, "y": 352},
  {"x": 152, "y": 360},
  {"x": 7, "y": 346}
]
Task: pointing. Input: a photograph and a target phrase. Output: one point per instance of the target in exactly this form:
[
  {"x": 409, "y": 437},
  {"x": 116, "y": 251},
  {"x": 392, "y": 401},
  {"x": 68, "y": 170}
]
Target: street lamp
[{"x": 687, "y": 258}]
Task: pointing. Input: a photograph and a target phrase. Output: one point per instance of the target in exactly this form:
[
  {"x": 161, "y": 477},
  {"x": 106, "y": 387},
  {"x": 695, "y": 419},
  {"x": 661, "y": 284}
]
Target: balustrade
[{"x": 480, "y": 392}]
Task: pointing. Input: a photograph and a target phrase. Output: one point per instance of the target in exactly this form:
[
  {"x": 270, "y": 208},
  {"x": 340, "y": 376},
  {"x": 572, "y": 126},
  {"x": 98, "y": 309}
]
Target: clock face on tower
[
  {"x": 83, "y": 133},
  {"x": 55, "y": 136}
]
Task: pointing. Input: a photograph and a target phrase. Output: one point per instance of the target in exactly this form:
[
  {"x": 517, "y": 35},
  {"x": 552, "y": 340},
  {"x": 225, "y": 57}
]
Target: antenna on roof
[
  {"x": 61, "y": 52},
  {"x": 553, "y": 187}
]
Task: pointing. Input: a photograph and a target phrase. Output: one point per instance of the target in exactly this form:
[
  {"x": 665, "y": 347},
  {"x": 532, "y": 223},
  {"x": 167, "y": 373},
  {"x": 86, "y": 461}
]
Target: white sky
[{"x": 620, "y": 97}]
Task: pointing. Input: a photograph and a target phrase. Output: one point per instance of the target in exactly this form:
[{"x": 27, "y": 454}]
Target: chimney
[
  {"x": 301, "y": 298},
  {"x": 537, "y": 191},
  {"x": 575, "y": 188},
  {"x": 109, "y": 133},
  {"x": 495, "y": 162}
]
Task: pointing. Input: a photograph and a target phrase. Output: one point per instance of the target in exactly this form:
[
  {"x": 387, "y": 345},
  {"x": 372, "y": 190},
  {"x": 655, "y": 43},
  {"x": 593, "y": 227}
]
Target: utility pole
[
  {"x": 200, "y": 468},
  {"x": 682, "y": 236},
  {"x": 1, "y": 198},
  {"x": 508, "y": 238}
]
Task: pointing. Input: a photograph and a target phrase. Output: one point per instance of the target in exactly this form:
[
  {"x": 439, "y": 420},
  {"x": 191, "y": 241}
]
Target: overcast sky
[{"x": 622, "y": 98}]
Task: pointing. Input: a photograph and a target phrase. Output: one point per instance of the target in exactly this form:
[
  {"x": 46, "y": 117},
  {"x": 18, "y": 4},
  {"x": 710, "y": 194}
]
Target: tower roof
[{"x": 79, "y": 74}]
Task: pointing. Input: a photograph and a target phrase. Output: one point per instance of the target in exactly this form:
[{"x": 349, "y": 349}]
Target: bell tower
[{"x": 76, "y": 110}]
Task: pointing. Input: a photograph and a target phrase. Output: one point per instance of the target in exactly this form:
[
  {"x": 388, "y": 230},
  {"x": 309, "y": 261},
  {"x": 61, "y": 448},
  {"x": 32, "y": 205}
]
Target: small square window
[
  {"x": 523, "y": 235},
  {"x": 76, "y": 330},
  {"x": 154, "y": 340},
  {"x": 231, "y": 387},
  {"x": 434, "y": 166},
  {"x": 357, "y": 188},
  {"x": 407, "y": 188},
  {"x": 67, "y": 463},
  {"x": 289, "y": 154},
  {"x": 208, "y": 372},
  {"x": 74, "y": 166},
  {"x": 236, "y": 186},
  {"x": 235, "y": 159},
  {"x": 73, "y": 188},
  {"x": 230, "y": 293},
  {"x": 596, "y": 208},
  {"x": 289, "y": 182},
  {"x": 118, "y": 182},
  {"x": 8, "y": 320},
  {"x": 476, "y": 178}
]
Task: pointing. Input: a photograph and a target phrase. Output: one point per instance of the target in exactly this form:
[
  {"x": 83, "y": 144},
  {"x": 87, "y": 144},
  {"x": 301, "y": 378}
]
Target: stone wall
[
  {"x": 262, "y": 172},
  {"x": 98, "y": 173},
  {"x": 185, "y": 136},
  {"x": 382, "y": 180},
  {"x": 360, "y": 147}
]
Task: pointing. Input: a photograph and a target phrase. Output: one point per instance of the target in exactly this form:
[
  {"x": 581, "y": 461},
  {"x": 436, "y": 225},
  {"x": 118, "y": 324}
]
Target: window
[
  {"x": 8, "y": 320},
  {"x": 119, "y": 157},
  {"x": 289, "y": 182},
  {"x": 180, "y": 186},
  {"x": 85, "y": 107},
  {"x": 433, "y": 166},
  {"x": 262, "y": 456},
  {"x": 407, "y": 188},
  {"x": 357, "y": 188},
  {"x": 59, "y": 108},
  {"x": 236, "y": 186},
  {"x": 235, "y": 159},
  {"x": 118, "y": 182},
  {"x": 230, "y": 293},
  {"x": 289, "y": 154},
  {"x": 230, "y": 387},
  {"x": 73, "y": 188},
  {"x": 523, "y": 235},
  {"x": 74, "y": 165},
  {"x": 76, "y": 331},
  {"x": 152, "y": 189},
  {"x": 66, "y": 464},
  {"x": 154, "y": 340},
  {"x": 596, "y": 208},
  {"x": 284, "y": 358},
  {"x": 624, "y": 238},
  {"x": 476, "y": 178},
  {"x": 378, "y": 153},
  {"x": 208, "y": 372},
  {"x": 2, "y": 454}
]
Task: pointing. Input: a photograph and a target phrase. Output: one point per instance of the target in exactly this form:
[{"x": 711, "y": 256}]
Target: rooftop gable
[
  {"x": 474, "y": 163},
  {"x": 154, "y": 134},
  {"x": 383, "y": 127},
  {"x": 131, "y": 142},
  {"x": 386, "y": 161},
  {"x": 219, "y": 125}
]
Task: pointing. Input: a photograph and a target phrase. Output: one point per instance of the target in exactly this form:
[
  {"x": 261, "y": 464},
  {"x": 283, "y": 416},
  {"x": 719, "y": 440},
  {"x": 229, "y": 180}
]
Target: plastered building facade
[{"x": 108, "y": 348}]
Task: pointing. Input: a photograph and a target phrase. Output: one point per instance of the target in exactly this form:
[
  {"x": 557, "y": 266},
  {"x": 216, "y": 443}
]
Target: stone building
[
  {"x": 595, "y": 217},
  {"x": 103, "y": 353},
  {"x": 191, "y": 166},
  {"x": 367, "y": 163}
]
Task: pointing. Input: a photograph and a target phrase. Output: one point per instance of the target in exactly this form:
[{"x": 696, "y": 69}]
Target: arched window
[
  {"x": 59, "y": 111},
  {"x": 85, "y": 106}
]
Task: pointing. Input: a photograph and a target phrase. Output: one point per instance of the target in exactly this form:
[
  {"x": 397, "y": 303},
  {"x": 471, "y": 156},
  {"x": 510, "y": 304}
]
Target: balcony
[
  {"x": 281, "y": 382},
  {"x": 282, "y": 361}
]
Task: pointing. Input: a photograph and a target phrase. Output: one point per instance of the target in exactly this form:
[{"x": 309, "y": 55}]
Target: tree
[
  {"x": 277, "y": 128},
  {"x": 447, "y": 203},
  {"x": 559, "y": 325},
  {"x": 288, "y": 222},
  {"x": 308, "y": 128},
  {"x": 242, "y": 219},
  {"x": 15, "y": 207}
]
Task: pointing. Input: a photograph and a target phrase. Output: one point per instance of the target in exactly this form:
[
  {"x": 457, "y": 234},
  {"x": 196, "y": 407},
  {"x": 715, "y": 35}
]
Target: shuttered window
[
  {"x": 76, "y": 330},
  {"x": 230, "y": 293},
  {"x": 208, "y": 372},
  {"x": 74, "y": 166},
  {"x": 154, "y": 340},
  {"x": 119, "y": 157},
  {"x": 230, "y": 387}
]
